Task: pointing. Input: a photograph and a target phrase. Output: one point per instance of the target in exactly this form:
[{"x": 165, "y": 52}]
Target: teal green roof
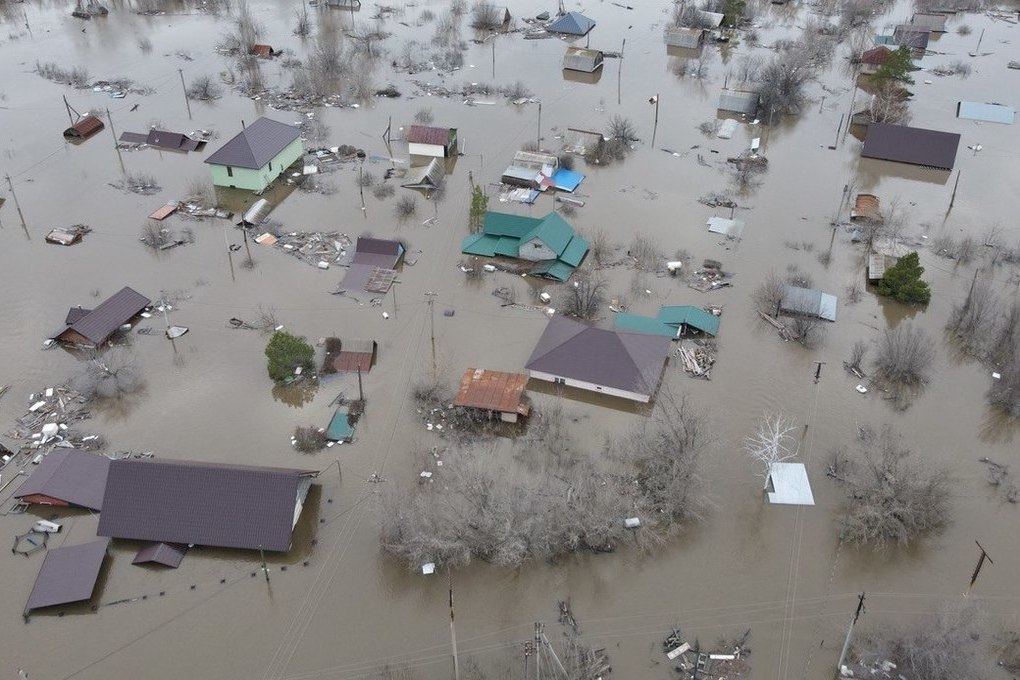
[
  {"x": 554, "y": 269},
  {"x": 340, "y": 429},
  {"x": 695, "y": 317},
  {"x": 643, "y": 324},
  {"x": 575, "y": 251},
  {"x": 553, "y": 231},
  {"x": 505, "y": 224},
  {"x": 508, "y": 246},
  {"x": 479, "y": 244}
]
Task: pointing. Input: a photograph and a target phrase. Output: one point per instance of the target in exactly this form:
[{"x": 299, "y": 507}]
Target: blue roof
[
  {"x": 643, "y": 324},
  {"x": 340, "y": 429},
  {"x": 566, "y": 180},
  {"x": 573, "y": 23}
]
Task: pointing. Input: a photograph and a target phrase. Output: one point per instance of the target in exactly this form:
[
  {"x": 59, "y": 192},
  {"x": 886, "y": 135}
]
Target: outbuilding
[
  {"x": 93, "y": 327},
  {"x": 423, "y": 140},
  {"x": 256, "y": 156},
  {"x": 738, "y": 101},
  {"x": 582, "y": 59},
  {"x": 494, "y": 392},
  {"x": 688, "y": 38},
  {"x": 84, "y": 128}
]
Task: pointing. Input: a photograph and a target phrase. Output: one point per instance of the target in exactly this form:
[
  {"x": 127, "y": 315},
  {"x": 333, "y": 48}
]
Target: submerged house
[
  {"x": 93, "y": 327},
  {"x": 209, "y": 504},
  {"x": 914, "y": 38},
  {"x": 582, "y": 59},
  {"x": 256, "y": 156},
  {"x": 373, "y": 267},
  {"x": 798, "y": 301},
  {"x": 738, "y": 101},
  {"x": 618, "y": 363},
  {"x": 672, "y": 321},
  {"x": 916, "y": 146},
  {"x": 494, "y": 392},
  {"x": 84, "y": 128},
  {"x": 929, "y": 21},
  {"x": 571, "y": 23},
  {"x": 550, "y": 242},
  {"x": 688, "y": 38},
  {"x": 67, "y": 478},
  {"x": 871, "y": 60},
  {"x": 68, "y": 574},
  {"x": 423, "y": 140}
]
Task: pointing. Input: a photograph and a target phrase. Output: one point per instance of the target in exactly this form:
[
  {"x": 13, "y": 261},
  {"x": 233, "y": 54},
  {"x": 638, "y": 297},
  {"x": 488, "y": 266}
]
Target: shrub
[{"x": 286, "y": 352}]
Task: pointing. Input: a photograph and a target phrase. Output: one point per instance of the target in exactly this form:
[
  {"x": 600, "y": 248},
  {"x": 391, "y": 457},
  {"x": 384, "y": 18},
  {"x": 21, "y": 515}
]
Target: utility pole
[
  {"x": 393, "y": 289},
  {"x": 538, "y": 140},
  {"x": 850, "y": 632},
  {"x": 655, "y": 126},
  {"x": 68, "y": 107},
  {"x": 453, "y": 632},
  {"x": 184, "y": 88},
  {"x": 493, "y": 57},
  {"x": 818, "y": 370},
  {"x": 952, "y": 199},
  {"x": 538, "y": 650},
  {"x": 977, "y": 569},
  {"x": 361, "y": 394},
  {"x": 265, "y": 569},
  {"x": 432, "y": 327},
  {"x": 116, "y": 146},
  {"x": 247, "y": 248},
  {"x": 552, "y": 651},
  {"x": 10, "y": 187}
]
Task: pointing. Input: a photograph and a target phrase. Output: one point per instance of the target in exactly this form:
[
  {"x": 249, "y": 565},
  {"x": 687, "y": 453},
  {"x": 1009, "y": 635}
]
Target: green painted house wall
[{"x": 257, "y": 180}]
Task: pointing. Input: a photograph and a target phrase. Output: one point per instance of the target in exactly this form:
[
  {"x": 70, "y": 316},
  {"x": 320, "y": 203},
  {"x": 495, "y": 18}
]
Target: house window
[
  {"x": 270, "y": 166},
  {"x": 560, "y": 381},
  {"x": 230, "y": 171}
]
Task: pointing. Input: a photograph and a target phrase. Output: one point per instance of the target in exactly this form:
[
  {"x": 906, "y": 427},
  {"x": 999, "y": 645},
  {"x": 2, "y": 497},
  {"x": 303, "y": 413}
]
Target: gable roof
[
  {"x": 689, "y": 315},
  {"x": 378, "y": 252},
  {"x": 622, "y": 360},
  {"x": 503, "y": 234},
  {"x": 505, "y": 224},
  {"x": 797, "y": 300},
  {"x": 69, "y": 475},
  {"x": 625, "y": 321},
  {"x": 573, "y": 23},
  {"x": 738, "y": 101},
  {"x": 876, "y": 55},
  {"x": 926, "y": 21},
  {"x": 228, "y": 506},
  {"x": 167, "y": 554},
  {"x": 917, "y": 146},
  {"x": 256, "y": 145},
  {"x": 553, "y": 231},
  {"x": 100, "y": 323},
  {"x": 916, "y": 38},
  {"x": 68, "y": 574},
  {"x": 424, "y": 134}
]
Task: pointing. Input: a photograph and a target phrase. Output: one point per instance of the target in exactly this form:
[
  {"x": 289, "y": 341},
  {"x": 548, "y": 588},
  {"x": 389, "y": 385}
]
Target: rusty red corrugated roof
[
  {"x": 491, "y": 390},
  {"x": 423, "y": 134},
  {"x": 87, "y": 126}
]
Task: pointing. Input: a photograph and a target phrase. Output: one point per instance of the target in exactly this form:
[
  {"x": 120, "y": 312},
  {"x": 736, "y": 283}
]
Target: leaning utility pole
[
  {"x": 977, "y": 569},
  {"x": 432, "y": 327},
  {"x": 184, "y": 88},
  {"x": 539, "y": 632},
  {"x": 453, "y": 632},
  {"x": 552, "y": 651},
  {"x": 116, "y": 145},
  {"x": 10, "y": 187},
  {"x": 850, "y": 632}
]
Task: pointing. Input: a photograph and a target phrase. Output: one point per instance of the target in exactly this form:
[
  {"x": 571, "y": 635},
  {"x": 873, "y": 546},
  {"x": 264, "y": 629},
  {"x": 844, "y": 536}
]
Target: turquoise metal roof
[
  {"x": 480, "y": 244},
  {"x": 553, "y": 231},
  {"x": 695, "y": 317},
  {"x": 505, "y": 224},
  {"x": 340, "y": 429},
  {"x": 575, "y": 251},
  {"x": 553, "y": 269},
  {"x": 643, "y": 324}
]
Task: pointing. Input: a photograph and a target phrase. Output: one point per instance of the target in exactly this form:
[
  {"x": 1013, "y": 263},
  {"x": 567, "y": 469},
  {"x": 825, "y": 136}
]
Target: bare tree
[
  {"x": 601, "y": 248},
  {"x": 153, "y": 235},
  {"x": 646, "y": 252},
  {"x": 890, "y": 499},
  {"x": 1004, "y": 394},
  {"x": 972, "y": 322},
  {"x": 486, "y": 16},
  {"x": 204, "y": 88},
  {"x": 113, "y": 375},
  {"x": 773, "y": 442},
  {"x": 889, "y": 105},
  {"x": 405, "y": 207},
  {"x": 585, "y": 295},
  {"x": 856, "y": 358},
  {"x": 781, "y": 84},
  {"x": 905, "y": 355},
  {"x": 423, "y": 115},
  {"x": 302, "y": 24},
  {"x": 806, "y": 330},
  {"x": 309, "y": 439},
  {"x": 769, "y": 294}
]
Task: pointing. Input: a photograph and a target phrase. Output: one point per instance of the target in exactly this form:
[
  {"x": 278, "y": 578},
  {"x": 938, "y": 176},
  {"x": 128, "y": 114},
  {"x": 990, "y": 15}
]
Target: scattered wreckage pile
[
  {"x": 47, "y": 422},
  {"x": 691, "y": 663}
]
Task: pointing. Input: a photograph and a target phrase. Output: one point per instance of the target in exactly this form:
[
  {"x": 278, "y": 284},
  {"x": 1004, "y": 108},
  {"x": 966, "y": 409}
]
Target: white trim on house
[{"x": 590, "y": 387}]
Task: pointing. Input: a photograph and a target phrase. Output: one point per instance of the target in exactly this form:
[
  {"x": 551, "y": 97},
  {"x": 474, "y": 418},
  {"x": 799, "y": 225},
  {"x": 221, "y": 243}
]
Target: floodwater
[{"x": 350, "y": 609}]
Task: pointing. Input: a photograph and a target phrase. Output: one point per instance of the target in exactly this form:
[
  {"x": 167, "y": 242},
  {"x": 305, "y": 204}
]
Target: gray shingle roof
[
  {"x": 256, "y": 145},
  {"x": 228, "y": 506},
  {"x": 70, "y": 475},
  {"x": 621, "y": 360},
  {"x": 100, "y": 323},
  {"x": 68, "y": 574}
]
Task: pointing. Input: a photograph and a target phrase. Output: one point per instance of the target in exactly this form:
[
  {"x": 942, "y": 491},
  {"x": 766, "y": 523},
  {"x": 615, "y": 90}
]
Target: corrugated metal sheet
[
  {"x": 425, "y": 177},
  {"x": 354, "y": 355},
  {"x": 635, "y": 323},
  {"x": 228, "y": 506},
  {"x": 809, "y": 302},
  {"x": 167, "y": 554},
  {"x": 914, "y": 38},
  {"x": 711, "y": 19},
  {"x": 867, "y": 207},
  {"x": 917, "y": 146},
  {"x": 165, "y": 211},
  {"x": 788, "y": 485},
  {"x": 100, "y": 323},
  {"x": 491, "y": 391},
  {"x": 738, "y": 101},
  {"x": 257, "y": 213},
  {"x": 68, "y": 574},
  {"x": 989, "y": 113},
  {"x": 684, "y": 37},
  {"x": 632, "y": 362},
  {"x": 876, "y": 267},
  {"x": 75, "y": 477},
  {"x": 424, "y": 134},
  {"x": 256, "y": 145},
  {"x": 581, "y": 59},
  {"x": 929, "y": 22},
  {"x": 582, "y": 141},
  {"x": 86, "y": 127},
  {"x": 725, "y": 226}
]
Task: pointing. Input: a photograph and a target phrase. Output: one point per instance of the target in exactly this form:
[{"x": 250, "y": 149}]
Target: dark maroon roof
[
  {"x": 378, "y": 252},
  {"x": 69, "y": 475},
  {"x": 227, "y": 506},
  {"x": 68, "y": 574},
  {"x": 423, "y": 134},
  {"x": 917, "y": 146},
  {"x": 100, "y": 323},
  {"x": 167, "y": 554}
]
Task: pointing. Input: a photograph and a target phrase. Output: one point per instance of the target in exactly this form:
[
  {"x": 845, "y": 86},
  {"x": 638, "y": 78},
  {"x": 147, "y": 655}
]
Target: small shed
[
  {"x": 93, "y": 327},
  {"x": 571, "y": 23},
  {"x": 354, "y": 356},
  {"x": 261, "y": 50},
  {"x": 423, "y": 140},
  {"x": 929, "y": 21},
  {"x": 84, "y": 128},
  {"x": 987, "y": 113},
  {"x": 912, "y": 37},
  {"x": 788, "y": 484},
  {"x": 379, "y": 252},
  {"x": 866, "y": 207},
  {"x": 582, "y": 59},
  {"x": 876, "y": 267},
  {"x": 522, "y": 177},
  {"x": 67, "y": 575},
  {"x": 340, "y": 428},
  {"x": 546, "y": 163},
  {"x": 427, "y": 177},
  {"x": 808, "y": 302},
  {"x": 710, "y": 19},
  {"x": 738, "y": 101},
  {"x": 69, "y": 478},
  {"x": 690, "y": 38},
  {"x": 495, "y": 392}
]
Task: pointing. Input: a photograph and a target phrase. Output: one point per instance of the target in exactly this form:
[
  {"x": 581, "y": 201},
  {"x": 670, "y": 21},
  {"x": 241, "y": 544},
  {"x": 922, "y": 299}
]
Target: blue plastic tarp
[{"x": 566, "y": 180}]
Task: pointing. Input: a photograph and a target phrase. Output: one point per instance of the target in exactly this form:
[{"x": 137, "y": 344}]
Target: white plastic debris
[
  {"x": 862, "y": 389},
  {"x": 632, "y": 522},
  {"x": 545, "y": 297},
  {"x": 996, "y": 375},
  {"x": 425, "y": 474},
  {"x": 36, "y": 406},
  {"x": 385, "y": 315},
  {"x": 47, "y": 527},
  {"x": 322, "y": 265},
  {"x": 297, "y": 371},
  {"x": 49, "y": 391},
  {"x": 489, "y": 267},
  {"x": 428, "y": 568}
]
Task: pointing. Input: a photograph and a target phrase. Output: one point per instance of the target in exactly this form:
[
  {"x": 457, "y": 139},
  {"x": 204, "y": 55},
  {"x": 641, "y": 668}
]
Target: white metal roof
[
  {"x": 789, "y": 485},
  {"x": 726, "y": 227},
  {"x": 990, "y": 113}
]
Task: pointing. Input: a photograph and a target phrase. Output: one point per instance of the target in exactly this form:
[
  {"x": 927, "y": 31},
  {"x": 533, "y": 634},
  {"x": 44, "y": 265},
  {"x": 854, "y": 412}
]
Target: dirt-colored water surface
[{"x": 342, "y": 608}]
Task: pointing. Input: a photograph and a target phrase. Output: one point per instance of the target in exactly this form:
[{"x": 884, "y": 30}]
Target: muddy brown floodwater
[{"x": 351, "y": 609}]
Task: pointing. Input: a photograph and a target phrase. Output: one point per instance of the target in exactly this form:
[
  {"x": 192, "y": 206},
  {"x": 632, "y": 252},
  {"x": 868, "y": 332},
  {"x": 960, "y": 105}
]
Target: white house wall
[
  {"x": 434, "y": 150},
  {"x": 590, "y": 387},
  {"x": 536, "y": 250}
]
